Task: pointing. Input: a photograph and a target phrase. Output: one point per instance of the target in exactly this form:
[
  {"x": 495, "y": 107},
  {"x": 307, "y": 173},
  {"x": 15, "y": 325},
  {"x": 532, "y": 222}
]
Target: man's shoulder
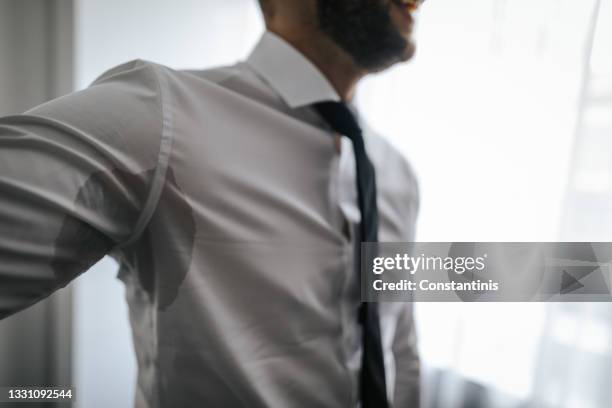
[
  {"x": 238, "y": 78},
  {"x": 139, "y": 69},
  {"x": 217, "y": 75},
  {"x": 136, "y": 70}
]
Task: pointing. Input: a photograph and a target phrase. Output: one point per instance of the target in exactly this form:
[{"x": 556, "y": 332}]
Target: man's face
[{"x": 375, "y": 33}]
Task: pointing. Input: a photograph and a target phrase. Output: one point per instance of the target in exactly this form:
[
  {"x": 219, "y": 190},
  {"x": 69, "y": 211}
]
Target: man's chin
[{"x": 405, "y": 56}]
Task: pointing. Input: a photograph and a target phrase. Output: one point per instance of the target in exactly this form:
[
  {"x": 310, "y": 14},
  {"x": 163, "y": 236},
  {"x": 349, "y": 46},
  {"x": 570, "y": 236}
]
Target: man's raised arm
[{"x": 75, "y": 175}]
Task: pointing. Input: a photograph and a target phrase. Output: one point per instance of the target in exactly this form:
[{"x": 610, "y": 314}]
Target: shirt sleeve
[
  {"x": 407, "y": 390},
  {"x": 407, "y": 373},
  {"x": 75, "y": 176}
]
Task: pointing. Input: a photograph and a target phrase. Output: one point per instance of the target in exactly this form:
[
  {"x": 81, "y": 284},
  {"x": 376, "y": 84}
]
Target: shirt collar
[{"x": 289, "y": 73}]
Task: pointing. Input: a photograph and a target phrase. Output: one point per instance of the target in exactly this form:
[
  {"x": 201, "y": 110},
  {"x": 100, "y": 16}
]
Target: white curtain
[{"x": 506, "y": 114}]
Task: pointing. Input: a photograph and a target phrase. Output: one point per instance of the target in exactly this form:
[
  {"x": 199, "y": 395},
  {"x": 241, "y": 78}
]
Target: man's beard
[{"x": 365, "y": 30}]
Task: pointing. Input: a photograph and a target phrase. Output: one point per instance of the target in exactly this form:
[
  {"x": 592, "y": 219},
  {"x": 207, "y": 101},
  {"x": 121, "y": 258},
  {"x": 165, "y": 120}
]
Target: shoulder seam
[{"x": 163, "y": 159}]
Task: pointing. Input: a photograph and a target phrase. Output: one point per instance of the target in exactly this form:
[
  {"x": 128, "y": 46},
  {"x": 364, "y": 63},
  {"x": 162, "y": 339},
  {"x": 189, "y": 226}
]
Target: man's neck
[{"x": 335, "y": 64}]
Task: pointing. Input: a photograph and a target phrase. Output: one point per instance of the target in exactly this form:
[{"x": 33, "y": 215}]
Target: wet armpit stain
[
  {"x": 80, "y": 245},
  {"x": 159, "y": 259}
]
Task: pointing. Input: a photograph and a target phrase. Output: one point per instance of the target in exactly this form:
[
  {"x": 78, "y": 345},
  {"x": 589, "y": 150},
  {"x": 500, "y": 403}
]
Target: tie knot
[{"x": 339, "y": 117}]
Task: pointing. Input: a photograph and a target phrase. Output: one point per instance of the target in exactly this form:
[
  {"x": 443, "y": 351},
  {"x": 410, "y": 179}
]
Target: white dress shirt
[{"x": 233, "y": 216}]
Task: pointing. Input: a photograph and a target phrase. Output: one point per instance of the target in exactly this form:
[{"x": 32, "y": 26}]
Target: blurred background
[{"x": 505, "y": 113}]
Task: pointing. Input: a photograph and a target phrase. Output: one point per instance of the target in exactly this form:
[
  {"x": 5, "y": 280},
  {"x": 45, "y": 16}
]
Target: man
[{"x": 236, "y": 211}]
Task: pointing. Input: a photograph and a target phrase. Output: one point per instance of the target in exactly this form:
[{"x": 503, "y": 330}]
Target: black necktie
[{"x": 342, "y": 120}]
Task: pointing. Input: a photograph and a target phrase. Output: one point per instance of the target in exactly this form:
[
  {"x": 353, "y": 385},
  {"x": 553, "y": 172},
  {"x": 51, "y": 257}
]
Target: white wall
[{"x": 180, "y": 34}]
